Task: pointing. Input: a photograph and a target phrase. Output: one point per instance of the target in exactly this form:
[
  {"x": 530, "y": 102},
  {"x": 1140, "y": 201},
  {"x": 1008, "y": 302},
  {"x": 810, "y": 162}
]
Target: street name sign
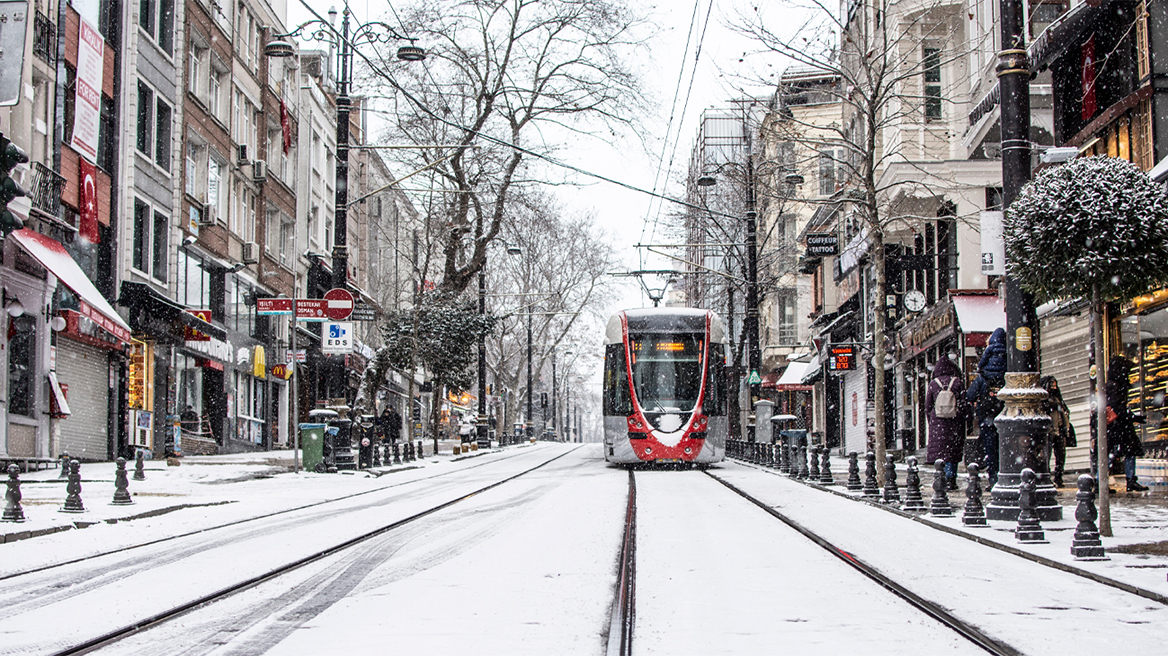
[{"x": 273, "y": 306}]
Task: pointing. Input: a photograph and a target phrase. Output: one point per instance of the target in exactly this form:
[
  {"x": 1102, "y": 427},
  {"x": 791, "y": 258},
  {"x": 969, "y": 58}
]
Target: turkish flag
[
  {"x": 88, "y": 228},
  {"x": 285, "y": 126},
  {"x": 1090, "y": 104}
]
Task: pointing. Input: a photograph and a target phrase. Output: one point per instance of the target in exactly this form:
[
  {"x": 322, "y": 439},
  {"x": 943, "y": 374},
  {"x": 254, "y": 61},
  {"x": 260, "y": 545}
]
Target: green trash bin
[{"x": 312, "y": 446}]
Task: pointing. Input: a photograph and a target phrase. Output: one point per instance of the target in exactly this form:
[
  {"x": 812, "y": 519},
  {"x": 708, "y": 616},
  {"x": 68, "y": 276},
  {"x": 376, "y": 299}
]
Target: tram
[{"x": 664, "y": 387}]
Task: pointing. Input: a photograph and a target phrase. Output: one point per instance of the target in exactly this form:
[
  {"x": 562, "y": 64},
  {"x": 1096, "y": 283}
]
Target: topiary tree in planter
[{"x": 1096, "y": 228}]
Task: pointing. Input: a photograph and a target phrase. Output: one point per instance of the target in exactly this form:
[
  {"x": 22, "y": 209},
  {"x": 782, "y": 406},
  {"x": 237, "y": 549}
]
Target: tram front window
[{"x": 667, "y": 371}]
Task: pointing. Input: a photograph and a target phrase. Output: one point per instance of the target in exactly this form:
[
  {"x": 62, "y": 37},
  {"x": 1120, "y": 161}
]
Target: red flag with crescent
[
  {"x": 1087, "y": 56},
  {"x": 285, "y": 126},
  {"x": 88, "y": 224}
]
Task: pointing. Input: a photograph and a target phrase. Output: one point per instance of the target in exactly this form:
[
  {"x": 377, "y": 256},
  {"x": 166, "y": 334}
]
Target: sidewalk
[{"x": 204, "y": 490}]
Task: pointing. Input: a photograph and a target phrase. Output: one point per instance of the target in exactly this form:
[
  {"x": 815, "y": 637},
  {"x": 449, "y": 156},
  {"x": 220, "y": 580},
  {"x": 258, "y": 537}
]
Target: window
[
  {"x": 189, "y": 395},
  {"x": 156, "y": 18},
  {"x": 151, "y": 240},
  {"x": 931, "y": 64},
  {"x": 243, "y": 214},
  {"x": 193, "y": 282},
  {"x": 21, "y": 365},
  {"x": 287, "y": 241},
  {"x": 196, "y": 69},
  {"x": 154, "y": 126},
  {"x": 827, "y": 176},
  {"x": 271, "y": 220},
  {"x": 714, "y": 402},
  {"x": 195, "y": 181},
  {"x": 215, "y": 102},
  {"x": 617, "y": 402},
  {"x": 785, "y": 316}
]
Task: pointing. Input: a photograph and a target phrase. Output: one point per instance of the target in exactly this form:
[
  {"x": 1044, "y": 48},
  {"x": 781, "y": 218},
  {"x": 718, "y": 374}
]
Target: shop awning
[
  {"x": 145, "y": 297},
  {"x": 52, "y": 255},
  {"x": 792, "y": 378},
  {"x": 770, "y": 379},
  {"x": 813, "y": 372},
  {"x": 979, "y": 313}
]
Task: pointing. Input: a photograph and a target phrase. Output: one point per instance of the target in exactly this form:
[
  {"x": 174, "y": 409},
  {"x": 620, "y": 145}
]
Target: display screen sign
[{"x": 843, "y": 358}]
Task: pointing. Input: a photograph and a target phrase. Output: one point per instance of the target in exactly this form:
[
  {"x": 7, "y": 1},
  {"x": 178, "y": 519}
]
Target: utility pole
[{"x": 1022, "y": 426}]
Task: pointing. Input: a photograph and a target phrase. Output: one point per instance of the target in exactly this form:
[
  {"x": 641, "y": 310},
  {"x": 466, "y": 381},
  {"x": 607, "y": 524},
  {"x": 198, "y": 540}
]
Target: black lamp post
[{"x": 1022, "y": 426}]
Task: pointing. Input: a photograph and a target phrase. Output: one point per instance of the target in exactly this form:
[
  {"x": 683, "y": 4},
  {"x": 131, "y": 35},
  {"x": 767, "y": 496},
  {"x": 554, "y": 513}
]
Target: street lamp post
[
  {"x": 1022, "y": 426},
  {"x": 373, "y": 32}
]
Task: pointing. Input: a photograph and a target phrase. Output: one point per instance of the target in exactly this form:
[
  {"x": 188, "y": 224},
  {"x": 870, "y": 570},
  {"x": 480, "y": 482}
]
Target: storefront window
[
  {"x": 21, "y": 365},
  {"x": 190, "y": 394},
  {"x": 1145, "y": 342},
  {"x": 249, "y": 404}
]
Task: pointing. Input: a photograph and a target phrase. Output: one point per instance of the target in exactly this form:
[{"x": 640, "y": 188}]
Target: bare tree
[
  {"x": 501, "y": 79},
  {"x": 884, "y": 56}
]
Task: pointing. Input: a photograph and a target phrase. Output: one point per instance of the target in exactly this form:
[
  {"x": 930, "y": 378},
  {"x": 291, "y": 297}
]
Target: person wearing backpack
[
  {"x": 945, "y": 410},
  {"x": 983, "y": 396}
]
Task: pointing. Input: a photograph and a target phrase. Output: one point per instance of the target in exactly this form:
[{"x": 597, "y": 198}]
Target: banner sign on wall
[{"x": 87, "y": 107}]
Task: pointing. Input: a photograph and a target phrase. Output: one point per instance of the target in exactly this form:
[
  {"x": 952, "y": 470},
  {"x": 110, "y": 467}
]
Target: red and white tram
[{"x": 664, "y": 387}]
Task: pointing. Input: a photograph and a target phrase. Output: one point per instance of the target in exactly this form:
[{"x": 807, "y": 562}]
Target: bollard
[
  {"x": 913, "y": 501},
  {"x": 854, "y": 484},
  {"x": 940, "y": 505},
  {"x": 396, "y": 454},
  {"x": 1029, "y": 530},
  {"x": 785, "y": 454},
  {"x": 377, "y": 455},
  {"x": 825, "y": 477},
  {"x": 814, "y": 472},
  {"x": 803, "y": 473},
  {"x": 891, "y": 491},
  {"x": 73, "y": 498},
  {"x": 1086, "y": 544},
  {"x": 139, "y": 465},
  {"x": 870, "y": 484},
  {"x": 121, "y": 485},
  {"x": 974, "y": 512},
  {"x": 421, "y": 451},
  {"x": 13, "y": 512},
  {"x": 409, "y": 451},
  {"x": 64, "y": 475}
]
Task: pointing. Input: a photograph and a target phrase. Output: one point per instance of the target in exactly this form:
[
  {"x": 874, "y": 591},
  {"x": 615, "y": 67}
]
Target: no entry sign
[{"x": 340, "y": 304}]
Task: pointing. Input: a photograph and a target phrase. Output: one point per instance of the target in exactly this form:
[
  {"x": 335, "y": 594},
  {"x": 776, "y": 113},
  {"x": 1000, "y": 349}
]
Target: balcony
[
  {"x": 44, "y": 41},
  {"x": 45, "y": 191}
]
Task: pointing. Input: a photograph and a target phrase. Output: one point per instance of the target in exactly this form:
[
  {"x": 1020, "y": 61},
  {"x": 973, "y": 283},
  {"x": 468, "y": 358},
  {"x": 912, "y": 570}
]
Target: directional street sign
[
  {"x": 340, "y": 304},
  {"x": 311, "y": 309},
  {"x": 363, "y": 312},
  {"x": 273, "y": 306}
]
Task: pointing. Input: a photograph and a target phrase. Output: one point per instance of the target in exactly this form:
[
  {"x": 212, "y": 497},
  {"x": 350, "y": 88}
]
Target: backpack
[{"x": 945, "y": 405}]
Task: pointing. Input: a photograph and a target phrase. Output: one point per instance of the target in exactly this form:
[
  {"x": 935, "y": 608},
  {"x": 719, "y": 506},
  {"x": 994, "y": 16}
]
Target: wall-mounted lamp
[
  {"x": 12, "y": 304},
  {"x": 57, "y": 323}
]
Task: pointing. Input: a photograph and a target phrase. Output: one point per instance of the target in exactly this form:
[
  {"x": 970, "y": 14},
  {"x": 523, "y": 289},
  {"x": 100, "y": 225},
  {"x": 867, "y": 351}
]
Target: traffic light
[
  {"x": 543, "y": 399},
  {"x": 10, "y": 156}
]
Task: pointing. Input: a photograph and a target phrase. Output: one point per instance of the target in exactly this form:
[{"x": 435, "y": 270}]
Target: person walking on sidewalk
[
  {"x": 1062, "y": 433},
  {"x": 1122, "y": 441},
  {"x": 983, "y": 395},
  {"x": 945, "y": 408}
]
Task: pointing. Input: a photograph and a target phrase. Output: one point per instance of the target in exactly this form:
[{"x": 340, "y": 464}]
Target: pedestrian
[
  {"x": 945, "y": 408},
  {"x": 1122, "y": 440},
  {"x": 1062, "y": 432},
  {"x": 983, "y": 396},
  {"x": 390, "y": 424}
]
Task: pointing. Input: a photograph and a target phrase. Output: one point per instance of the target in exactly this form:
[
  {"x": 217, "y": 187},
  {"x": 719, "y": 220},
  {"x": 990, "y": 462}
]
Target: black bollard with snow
[
  {"x": 121, "y": 485},
  {"x": 939, "y": 506},
  {"x": 421, "y": 451},
  {"x": 974, "y": 512},
  {"x": 64, "y": 475},
  {"x": 396, "y": 454},
  {"x": 1086, "y": 544},
  {"x": 854, "y": 483},
  {"x": 140, "y": 465},
  {"x": 13, "y": 512},
  {"x": 891, "y": 491},
  {"x": 785, "y": 453},
  {"x": 73, "y": 502},
  {"x": 871, "y": 488},
  {"x": 914, "y": 502},
  {"x": 825, "y": 477},
  {"x": 814, "y": 471},
  {"x": 803, "y": 471},
  {"x": 1029, "y": 530}
]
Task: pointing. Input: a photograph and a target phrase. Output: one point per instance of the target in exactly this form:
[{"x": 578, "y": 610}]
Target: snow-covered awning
[
  {"x": 792, "y": 378},
  {"x": 1159, "y": 172},
  {"x": 979, "y": 313},
  {"x": 813, "y": 371},
  {"x": 52, "y": 255}
]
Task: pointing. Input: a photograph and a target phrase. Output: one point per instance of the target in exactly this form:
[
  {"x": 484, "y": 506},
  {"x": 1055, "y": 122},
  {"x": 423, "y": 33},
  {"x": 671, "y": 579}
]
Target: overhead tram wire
[
  {"x": 502, "y": 142},
  {"x": 669, "y": 124}
]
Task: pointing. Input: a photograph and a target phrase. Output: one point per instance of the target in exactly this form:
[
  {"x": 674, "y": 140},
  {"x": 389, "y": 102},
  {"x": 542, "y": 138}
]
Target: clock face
[{"x": 914, "y": 301}]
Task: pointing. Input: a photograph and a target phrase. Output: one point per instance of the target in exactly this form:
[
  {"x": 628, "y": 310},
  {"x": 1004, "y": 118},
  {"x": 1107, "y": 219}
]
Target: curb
[
  {"x": 15, "y": 536},
  {"x": 1041, "y": 560}
]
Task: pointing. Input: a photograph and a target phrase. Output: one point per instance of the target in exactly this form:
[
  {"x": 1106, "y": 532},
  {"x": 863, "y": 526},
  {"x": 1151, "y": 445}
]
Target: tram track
[
  {"x": 247, "y": 520},
  {"x": 624, "y": 606},
  {"x": 932, "y": 609},
  {"x": 115, "y": 635}
]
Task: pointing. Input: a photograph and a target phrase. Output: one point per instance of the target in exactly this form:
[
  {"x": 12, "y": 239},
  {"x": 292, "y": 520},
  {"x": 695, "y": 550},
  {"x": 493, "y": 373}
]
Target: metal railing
[
  {"x": 45, "y": 190},
  {"x": 44, "y": 41}
]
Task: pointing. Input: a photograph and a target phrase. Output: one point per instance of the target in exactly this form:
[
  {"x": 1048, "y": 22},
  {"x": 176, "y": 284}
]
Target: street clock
[{"x": 914, "y": 301}]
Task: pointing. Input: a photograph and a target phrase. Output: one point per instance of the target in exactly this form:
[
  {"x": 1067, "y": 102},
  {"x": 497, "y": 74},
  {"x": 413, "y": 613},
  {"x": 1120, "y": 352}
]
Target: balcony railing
[
  {"x": 44, "y": 42},
  {"x": 45, "y": 190}
]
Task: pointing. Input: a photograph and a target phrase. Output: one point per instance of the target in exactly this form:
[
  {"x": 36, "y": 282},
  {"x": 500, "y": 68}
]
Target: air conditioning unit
[
  {"x": 259, "y": 170},
  {"x": 241, "y": 155},
  {"x": 251, "y": 252}
]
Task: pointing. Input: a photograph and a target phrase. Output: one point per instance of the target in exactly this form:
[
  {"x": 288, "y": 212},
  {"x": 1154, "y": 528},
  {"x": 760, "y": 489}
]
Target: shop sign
[
  {"x": 215, "y": 348},
  {"x": 929, "y": 326},
  {"x": 821, "y": 244},
  {"x": 363, "y": 312},
  {"x": 87, "y": 331},
  {"x": 192, "y": 335},
  {"x": 104, "y": 322},
  {"x": 842, "y": 358},
  {"x": 281, "y": 371},
  {"x": 301, "y": 355}
]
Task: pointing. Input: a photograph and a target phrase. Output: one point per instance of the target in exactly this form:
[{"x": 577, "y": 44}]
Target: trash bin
[
  {"x": 312, "y": 446},
  {"x": 795, "y": 437}
]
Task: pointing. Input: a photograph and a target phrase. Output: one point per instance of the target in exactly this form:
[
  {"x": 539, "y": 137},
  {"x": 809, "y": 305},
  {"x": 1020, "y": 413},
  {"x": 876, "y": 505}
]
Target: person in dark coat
[
  {"x": 1062, "y": 433},
  {"x": 993, "y": 359},
  {"x": 390, "y": 421},
  {"x": 1122, "y": 440},
  {"x": 946, "y": 434},
  {"x": 983, "y": 396}
]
